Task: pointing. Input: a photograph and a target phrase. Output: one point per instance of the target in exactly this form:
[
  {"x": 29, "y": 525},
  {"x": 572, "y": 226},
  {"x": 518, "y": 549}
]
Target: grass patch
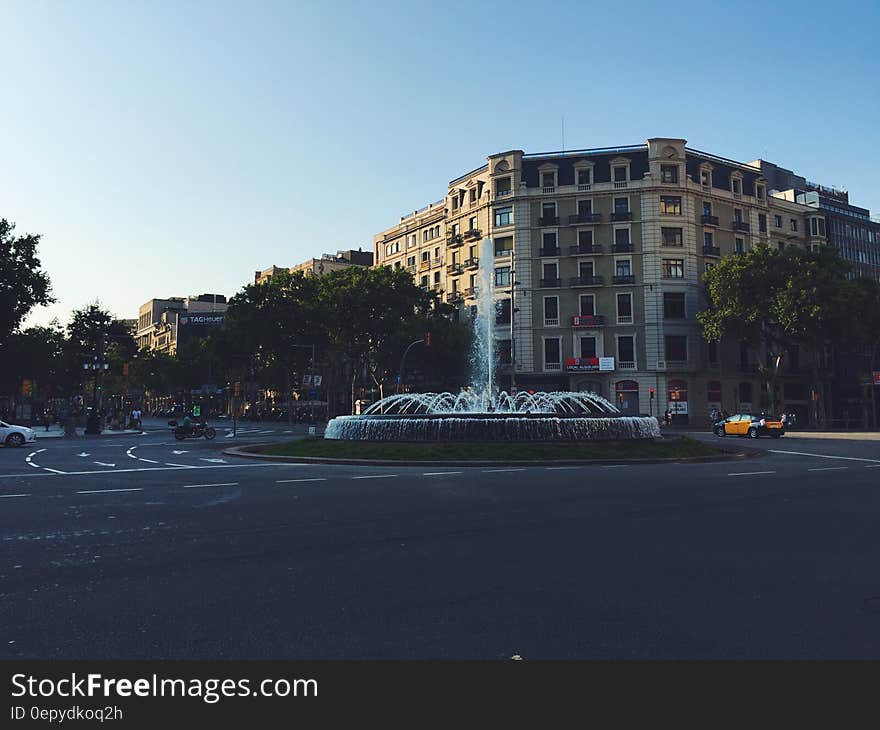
[{"x": 676, "y": 448}]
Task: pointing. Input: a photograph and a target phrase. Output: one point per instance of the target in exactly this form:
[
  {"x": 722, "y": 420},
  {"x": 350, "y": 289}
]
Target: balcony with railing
[
  {"x": 548, "y": 251},
  {"x": 622, "y": 215},
  {"x": 624, "y": 279},
  {"x": 626, "y": 365},
  {"x": 740, "y": 226},
  {"x": 470, "y": 292},
  {"x": 584, "y": 248},
  {"x": 548, "y": 220},
  {"x": 454, "y": 239},
  {"x": 551, "y": 321},
  {"x": 454, "y": 269},
  {"x": 550, "y": 283},
  {"x": 473, "y": 234},
  {"x": 548, "y": 189},
  {"x": 504, "y": 193},
  {"x": 436, "y": 263},
  {"x": 618, "y": 184},
  {"x": 424, "y": 264},
  {"x": 709, "y": 220},
  {"x": 588, "y": 320},
  {"x": 472, "y": 263},
  {"x": 585, "y": 281},
  {"x": 623, "y": 247},
  {"x": 455, "y": 297},
  {"x": 711, "y": 251},
  {"x": 553, "y": 366},
  {"x": 581, "y": 218}
]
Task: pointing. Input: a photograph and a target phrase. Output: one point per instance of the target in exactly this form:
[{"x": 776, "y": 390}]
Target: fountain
[{"x": 482, "y": 412}]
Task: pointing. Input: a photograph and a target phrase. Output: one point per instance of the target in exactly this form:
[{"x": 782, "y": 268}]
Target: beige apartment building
[
  {"x": 163, "y": 323},
  {"x": 603, "y": 251},
  {"x": 324, "y": 265}
]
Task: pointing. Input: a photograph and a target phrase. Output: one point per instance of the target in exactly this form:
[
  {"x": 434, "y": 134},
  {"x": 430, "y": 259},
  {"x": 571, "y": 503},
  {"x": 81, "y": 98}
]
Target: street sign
[
  {"x": 313, "y": 395},
  {"x": 316, "y": 380},
  {"x": 197, "y": 411},
  {"x": 307, "y": 379}
]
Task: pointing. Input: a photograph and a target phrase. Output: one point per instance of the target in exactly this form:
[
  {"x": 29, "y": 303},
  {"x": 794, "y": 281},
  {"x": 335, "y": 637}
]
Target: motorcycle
[{"x": 195, "y": 431}]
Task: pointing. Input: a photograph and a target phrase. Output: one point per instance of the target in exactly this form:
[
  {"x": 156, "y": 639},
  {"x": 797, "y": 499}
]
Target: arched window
[
  {"x": 626, "y": 386},
  {"x": 678, "y": 390}
]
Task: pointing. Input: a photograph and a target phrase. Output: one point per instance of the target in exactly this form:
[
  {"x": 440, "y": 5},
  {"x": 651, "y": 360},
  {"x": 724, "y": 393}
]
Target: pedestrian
[{"x": 667, "y": 417}]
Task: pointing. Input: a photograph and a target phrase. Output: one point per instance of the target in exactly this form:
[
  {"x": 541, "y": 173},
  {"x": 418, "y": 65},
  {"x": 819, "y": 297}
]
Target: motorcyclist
[{"x": 187, "y": 423}]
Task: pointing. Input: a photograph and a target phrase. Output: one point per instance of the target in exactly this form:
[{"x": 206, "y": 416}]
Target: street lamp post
[{"x": 400, "y": 378}]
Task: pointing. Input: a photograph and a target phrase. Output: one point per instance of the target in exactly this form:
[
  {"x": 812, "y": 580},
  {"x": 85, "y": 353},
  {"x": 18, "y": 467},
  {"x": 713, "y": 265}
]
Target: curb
[{"x": 250, "y": 452}]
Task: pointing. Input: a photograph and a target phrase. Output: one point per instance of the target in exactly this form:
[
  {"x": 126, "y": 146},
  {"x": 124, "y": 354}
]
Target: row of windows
[{"x": 675, "y": 350}]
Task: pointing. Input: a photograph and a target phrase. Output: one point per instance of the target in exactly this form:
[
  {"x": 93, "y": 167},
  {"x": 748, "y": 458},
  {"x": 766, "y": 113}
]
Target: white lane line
[
  {"x": 149, "y": 461},
  {"x": 824, "y": 456},
  {"x": 376, "y": 476},
  {"x": 499, "y": 471},
  {"x": 873, "y": 466},
  {"x": 215, "y": 484},
  {"x": 560, "y": 468},
  {"x": 749, "y": 473},
  {"x": 27, "y": 475},
  {"x": 182, "y": 466},
  {"x": 101, "y": 463},
  {"x": 439, "y": 473},
  {"x": 104, "y": 491},
  {"x": 7, "y": 496},
  {"x": 290, "y": 481},
  {"x": 54, "y": 471},
  {"x": 830, "y": 468},
  {"x": 615, "y": 466}
]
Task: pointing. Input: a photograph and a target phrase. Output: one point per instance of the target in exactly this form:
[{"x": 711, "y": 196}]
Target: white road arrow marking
[
  {"x": 215, "y": 461},
  {"x": 101, "y": 463},
  {"x": 177, "y": 453},
  {"x": 83, "y": 454}
]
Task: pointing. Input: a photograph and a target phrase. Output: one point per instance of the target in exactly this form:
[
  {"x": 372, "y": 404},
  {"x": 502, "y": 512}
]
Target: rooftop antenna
[{"x": 563, "y": 132}]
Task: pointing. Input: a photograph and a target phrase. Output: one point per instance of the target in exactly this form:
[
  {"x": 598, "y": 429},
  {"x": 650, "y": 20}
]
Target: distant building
[
  {"x": 315, "y": 267},
  {"x": 849, "y": 228},
  {"x": 163, "y": 324}
]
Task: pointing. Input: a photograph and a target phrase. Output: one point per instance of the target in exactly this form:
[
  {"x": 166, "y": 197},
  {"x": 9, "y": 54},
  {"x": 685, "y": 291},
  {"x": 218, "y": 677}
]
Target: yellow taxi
[{"x": 745, "y": 424}]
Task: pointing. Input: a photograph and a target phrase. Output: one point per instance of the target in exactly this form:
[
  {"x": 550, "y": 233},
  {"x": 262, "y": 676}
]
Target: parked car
[
  {"x": 745, "y": 424},
  {"x": 12, "y": 435}
]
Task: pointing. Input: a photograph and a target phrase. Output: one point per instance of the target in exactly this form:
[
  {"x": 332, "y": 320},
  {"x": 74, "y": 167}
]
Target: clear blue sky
[{"x": 173, "y": 148}]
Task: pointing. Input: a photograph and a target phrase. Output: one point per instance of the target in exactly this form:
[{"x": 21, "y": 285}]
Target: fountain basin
[{"x": 477, "y": 427}]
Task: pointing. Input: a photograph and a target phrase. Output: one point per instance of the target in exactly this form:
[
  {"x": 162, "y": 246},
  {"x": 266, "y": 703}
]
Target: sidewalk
[
  {"x": 55, "y": 431},
  {"x": 799, "y": 434}
]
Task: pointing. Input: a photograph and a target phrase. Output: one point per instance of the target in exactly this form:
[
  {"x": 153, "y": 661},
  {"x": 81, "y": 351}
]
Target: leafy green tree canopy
[{"x": 23, "y": 285}]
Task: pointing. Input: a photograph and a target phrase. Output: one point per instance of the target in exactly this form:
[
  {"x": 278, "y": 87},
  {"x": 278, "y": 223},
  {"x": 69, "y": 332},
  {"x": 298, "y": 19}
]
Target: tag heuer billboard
[{"x": 201, "y": 319}]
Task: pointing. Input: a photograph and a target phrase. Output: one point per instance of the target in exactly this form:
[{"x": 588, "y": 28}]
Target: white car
[{"x": 16, "y": 435}]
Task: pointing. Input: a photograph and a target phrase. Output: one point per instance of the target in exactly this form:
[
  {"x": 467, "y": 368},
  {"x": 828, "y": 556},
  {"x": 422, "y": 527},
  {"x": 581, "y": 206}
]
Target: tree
[
  {"x": 23, "y": 285},
  {"x": 367, "y": 312},
  {"x": 774, "y": 300},
  {"x": 95, "y": 336}
]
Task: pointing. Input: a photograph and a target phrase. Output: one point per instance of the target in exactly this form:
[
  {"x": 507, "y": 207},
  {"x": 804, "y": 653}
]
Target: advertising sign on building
[
  {"x": 678, "y": 407},
  {"x": 201, "y": 319},
  {"x": 606, "y": 364},
  {"x": 581, "y": 364},
  {"x": 876, "y": 377}
]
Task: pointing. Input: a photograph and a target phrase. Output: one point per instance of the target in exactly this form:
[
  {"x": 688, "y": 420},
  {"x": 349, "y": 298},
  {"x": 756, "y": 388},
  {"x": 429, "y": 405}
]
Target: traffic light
[
  {"x": 125, "y": 369},
  {"x": 651, "y": 393},
  {"x": 237, "y": 390},
  {"x": 427, "y": 339}
]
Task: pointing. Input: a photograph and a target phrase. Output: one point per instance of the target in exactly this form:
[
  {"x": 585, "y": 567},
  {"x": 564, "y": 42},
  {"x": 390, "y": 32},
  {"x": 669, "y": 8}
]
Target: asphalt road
[{"x": 144, "y": 547}]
